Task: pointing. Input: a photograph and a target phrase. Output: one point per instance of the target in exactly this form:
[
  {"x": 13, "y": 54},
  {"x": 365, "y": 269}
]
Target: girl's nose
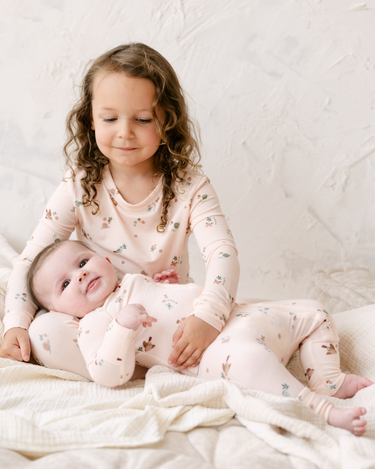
[
  {"x": 82, "y": 276},
  {"x": 126, "y": 130}
]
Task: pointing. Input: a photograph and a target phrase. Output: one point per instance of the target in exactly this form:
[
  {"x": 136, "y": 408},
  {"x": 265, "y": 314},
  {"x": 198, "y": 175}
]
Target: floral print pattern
[{"x": 106, "y": 222}]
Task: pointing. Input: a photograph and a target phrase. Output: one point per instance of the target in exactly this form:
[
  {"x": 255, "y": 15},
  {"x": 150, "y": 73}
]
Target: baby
[{"x": 253, "y": 347}]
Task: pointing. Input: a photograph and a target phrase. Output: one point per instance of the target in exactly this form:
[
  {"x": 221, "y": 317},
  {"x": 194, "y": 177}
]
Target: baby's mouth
[{"x": 92, "y": 285}]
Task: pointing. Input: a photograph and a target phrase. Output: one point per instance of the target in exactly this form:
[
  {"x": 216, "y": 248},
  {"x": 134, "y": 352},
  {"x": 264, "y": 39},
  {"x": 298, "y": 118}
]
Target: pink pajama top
[{"x": 127, "y": 235}]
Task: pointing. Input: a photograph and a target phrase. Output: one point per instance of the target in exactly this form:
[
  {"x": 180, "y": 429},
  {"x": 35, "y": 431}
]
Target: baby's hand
[
  {"x": 167, "y": 276},
  {"x": 132, "y": 316}
]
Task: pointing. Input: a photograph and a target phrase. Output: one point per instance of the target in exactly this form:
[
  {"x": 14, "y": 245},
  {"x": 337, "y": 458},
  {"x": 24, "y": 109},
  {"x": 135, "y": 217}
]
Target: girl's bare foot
[
  {"x": 349, "y": 419},
  {"x": 351, "y": 385}
]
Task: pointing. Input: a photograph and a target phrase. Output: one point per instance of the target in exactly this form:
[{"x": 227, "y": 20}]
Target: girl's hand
[
  {"x": 16, "y": 345},
  {"x": 132, "y": 316},
  {"x": 167, "y": 276},
  {"x": 189, "y": 342}
]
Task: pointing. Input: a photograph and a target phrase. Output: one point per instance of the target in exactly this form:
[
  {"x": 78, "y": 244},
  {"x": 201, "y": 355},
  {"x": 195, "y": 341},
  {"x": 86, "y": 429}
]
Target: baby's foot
[
  {"x": 351, "y": 385},
  {"x": 349, "y": 419}
]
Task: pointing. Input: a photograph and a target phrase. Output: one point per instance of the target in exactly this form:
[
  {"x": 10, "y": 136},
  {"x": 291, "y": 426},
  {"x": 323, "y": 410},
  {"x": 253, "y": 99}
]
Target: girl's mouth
[
  {"x": 126, "y": 148},
  {"x": 92, "y": 285}
]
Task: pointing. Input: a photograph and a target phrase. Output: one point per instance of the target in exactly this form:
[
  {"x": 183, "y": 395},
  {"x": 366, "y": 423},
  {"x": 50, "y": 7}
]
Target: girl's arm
[
  {"x": 215, "y": 304},
  {"x": 57, "y": 222}
]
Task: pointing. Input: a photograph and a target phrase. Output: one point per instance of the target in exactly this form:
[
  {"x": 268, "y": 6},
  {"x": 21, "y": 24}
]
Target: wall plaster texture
[{"x": 284, "y": 94}]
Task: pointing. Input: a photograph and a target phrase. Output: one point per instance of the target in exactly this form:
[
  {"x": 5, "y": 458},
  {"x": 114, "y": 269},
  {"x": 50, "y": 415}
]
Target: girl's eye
[
  {"x": 82, "y": 263},
  {"x": 112, "y": 119},
  {"x": 65, "y": 284},
  {"x": 144, "y": 121}
]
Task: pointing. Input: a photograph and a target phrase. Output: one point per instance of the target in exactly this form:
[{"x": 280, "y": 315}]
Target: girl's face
[{"x": 122, "y": 119}]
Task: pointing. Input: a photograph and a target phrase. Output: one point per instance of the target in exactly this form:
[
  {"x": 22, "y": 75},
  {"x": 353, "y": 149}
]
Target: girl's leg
[{"x": 54, "y": 344}]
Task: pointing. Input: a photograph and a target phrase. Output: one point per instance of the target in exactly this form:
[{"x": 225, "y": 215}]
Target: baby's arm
[{"x": 109, "y": 347}]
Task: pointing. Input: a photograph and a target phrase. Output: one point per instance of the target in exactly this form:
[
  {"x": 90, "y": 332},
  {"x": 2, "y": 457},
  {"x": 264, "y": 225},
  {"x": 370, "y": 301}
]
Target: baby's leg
[
  {"x": 251, "y": 350},
  {"x": 239, "y": 355},
  {"x": 319, "y": 354},
  {"x": 54, "y": 344}
]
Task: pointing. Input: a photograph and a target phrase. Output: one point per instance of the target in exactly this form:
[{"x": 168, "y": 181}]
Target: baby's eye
[
  {"x": 65, "y": 284},
  {"x": 82, "y": 263},
  {"x": 111, "y": 119},
  {"x": 144, "y": 121}
]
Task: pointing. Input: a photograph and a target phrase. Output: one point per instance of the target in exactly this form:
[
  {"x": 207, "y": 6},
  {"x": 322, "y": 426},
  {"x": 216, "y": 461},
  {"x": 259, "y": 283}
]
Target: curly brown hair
[{"x": 180, "y": 150}]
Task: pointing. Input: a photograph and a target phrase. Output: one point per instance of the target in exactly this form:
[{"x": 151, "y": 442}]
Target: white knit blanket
[{"x": 171, "y": 419}]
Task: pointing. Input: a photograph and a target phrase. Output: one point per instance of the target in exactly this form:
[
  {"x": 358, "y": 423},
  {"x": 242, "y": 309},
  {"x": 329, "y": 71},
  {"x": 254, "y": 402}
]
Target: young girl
[
  {"x": 253, "y": 348},
  {"x": 134, "y": 193}
]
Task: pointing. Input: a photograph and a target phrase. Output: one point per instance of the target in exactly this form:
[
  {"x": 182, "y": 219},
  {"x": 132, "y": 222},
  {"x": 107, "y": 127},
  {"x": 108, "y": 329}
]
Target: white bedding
[
  {"x": 173, "y": 420},
  {"x": 343, "y": 289}
]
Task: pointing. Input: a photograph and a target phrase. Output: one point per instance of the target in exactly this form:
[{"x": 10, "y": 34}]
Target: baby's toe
[
  {"x": 359, "y": 431},
  {"x": 358, "y": 411},
  {"x": 359, "y": 423}
]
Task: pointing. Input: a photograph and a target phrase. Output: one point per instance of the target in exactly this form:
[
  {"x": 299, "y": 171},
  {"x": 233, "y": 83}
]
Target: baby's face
[{"x": 75, "y": 280}]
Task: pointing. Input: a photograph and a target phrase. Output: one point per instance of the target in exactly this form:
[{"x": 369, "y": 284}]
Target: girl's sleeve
[
  {"x": 57, "y": 223},
  {"x": 107, "y": 347},
  {"x": 219, "y": 253}
]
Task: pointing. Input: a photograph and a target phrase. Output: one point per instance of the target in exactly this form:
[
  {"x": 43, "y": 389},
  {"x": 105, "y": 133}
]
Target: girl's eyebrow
[{"x": 105, "y": 108}]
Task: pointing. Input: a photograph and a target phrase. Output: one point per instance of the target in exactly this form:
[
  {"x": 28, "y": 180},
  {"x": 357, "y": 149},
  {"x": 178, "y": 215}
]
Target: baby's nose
[{"x": 82, "y": 276}]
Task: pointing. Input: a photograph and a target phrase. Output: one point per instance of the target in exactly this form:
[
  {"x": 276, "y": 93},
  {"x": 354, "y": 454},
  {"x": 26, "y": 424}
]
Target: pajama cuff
[
  {"x": 316, "y": 402},
  {"x": 211, "y": 319},
  {"x": 20, "y": 319},
  {"x": 116, "y": 342}
]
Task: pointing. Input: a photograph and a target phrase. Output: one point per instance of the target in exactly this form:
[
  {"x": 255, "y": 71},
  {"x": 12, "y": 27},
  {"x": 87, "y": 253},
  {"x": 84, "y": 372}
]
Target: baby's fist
[{"x": 132, "y": 316}]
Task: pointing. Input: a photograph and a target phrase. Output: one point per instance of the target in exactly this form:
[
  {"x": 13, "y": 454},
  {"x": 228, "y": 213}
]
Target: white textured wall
[{"x": 283, "y": 91}]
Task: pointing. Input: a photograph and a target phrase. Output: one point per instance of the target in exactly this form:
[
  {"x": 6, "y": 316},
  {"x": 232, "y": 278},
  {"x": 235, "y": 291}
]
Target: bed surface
[{"x": 51, "y": 418}]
